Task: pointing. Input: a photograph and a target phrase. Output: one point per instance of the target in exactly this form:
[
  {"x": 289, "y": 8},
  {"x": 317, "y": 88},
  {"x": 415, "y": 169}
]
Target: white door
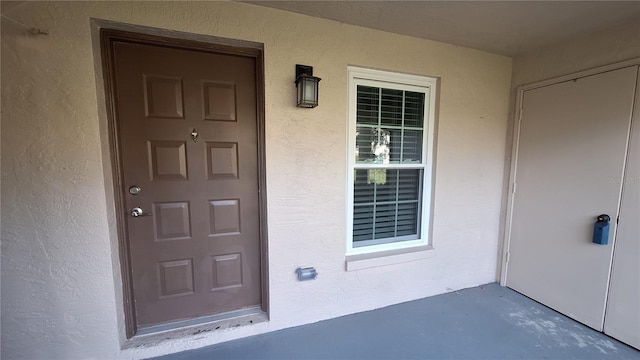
[
  {"x": 622, "y": 320},
  {"x": 572, "y": 149}
]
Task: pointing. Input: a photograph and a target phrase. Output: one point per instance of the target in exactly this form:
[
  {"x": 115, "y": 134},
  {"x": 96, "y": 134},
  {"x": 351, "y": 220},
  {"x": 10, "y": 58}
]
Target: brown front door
[{"x": 186, "y": 123}]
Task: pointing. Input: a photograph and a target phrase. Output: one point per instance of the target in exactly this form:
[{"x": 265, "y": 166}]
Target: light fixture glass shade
[{"x": 307, "y": 87}]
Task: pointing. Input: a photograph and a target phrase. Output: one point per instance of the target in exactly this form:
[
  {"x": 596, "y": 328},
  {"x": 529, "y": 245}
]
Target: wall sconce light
[{"x": 307, "y": 86}]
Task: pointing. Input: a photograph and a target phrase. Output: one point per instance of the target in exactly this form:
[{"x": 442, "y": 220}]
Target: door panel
[
  {"x": 622, "y": 319},
  {"x": 572, "y": 143},
  {"x": 188, "y": 139}
]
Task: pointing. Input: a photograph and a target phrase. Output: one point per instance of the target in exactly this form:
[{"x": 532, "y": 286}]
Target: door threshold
[{"x": 154, "y": 334}]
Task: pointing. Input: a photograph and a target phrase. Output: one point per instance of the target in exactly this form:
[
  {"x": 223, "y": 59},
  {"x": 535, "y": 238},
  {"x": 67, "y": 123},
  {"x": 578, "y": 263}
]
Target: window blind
[{"x": 387, "y": 198}]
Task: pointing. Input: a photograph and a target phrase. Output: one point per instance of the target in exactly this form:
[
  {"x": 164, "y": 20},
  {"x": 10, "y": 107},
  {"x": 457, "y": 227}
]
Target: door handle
[
  {"x": 137, "y": 212},
  {"x": 601, "y": 230}
]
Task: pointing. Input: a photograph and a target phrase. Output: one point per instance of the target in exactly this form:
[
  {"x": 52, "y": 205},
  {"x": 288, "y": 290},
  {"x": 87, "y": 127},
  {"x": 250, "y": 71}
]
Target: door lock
[
  {"x": 137, "y": 212},
  {"x": 601, "y": 230}
]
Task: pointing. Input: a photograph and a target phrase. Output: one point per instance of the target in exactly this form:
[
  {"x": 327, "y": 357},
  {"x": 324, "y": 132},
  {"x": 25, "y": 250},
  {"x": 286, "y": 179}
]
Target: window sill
[{"x": 384, "y": 258}]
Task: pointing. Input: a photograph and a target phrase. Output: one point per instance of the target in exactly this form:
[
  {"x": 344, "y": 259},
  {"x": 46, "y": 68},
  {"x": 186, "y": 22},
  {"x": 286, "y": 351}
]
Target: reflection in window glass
[{"x": 389, "y": 126}]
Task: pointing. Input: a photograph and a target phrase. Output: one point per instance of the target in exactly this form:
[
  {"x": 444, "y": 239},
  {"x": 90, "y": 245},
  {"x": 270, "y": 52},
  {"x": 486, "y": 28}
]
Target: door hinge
[
  {"x": 508, "y": 256},
  {"x": 513, "y": 188}
]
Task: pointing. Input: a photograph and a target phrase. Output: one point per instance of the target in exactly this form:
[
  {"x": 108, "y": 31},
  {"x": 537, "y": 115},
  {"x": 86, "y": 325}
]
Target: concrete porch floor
[{"x": 485, "y": 322}]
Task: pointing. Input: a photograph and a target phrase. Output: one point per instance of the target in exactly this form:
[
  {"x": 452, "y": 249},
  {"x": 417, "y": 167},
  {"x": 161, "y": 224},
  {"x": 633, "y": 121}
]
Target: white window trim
[{"x": 418, "y": 83}]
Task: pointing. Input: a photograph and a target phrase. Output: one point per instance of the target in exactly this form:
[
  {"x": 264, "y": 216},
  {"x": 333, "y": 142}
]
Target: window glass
[
  {"x": 389, "y": 126},
  {"x": 386, "y": 203}
]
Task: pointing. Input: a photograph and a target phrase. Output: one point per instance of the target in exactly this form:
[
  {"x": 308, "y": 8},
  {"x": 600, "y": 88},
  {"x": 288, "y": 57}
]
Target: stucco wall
[
  {"x": 60, "y": 273},
  {"x": 619, "y": 43}
]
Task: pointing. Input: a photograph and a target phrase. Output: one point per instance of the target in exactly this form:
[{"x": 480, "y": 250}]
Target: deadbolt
[{"x": 134, "y": 190}]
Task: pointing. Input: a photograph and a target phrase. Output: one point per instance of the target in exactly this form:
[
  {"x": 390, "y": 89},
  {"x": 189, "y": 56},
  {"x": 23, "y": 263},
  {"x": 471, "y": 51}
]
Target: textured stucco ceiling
[{"x": 503, "y": 27}]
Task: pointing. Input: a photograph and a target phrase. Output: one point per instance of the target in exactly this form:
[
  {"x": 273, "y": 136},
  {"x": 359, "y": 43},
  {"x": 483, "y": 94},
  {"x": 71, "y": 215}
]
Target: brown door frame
[{"x": 217, "y": 46}]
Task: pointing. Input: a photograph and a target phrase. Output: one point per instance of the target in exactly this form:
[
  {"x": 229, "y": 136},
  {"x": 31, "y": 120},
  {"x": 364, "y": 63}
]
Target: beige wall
[
  {"x": 61, "y": 291},
  {"x": 619, "y": 43}
]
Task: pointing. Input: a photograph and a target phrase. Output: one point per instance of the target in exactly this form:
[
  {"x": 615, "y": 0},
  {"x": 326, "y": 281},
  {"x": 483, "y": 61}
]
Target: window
[{"x": 391, "y": 121}]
